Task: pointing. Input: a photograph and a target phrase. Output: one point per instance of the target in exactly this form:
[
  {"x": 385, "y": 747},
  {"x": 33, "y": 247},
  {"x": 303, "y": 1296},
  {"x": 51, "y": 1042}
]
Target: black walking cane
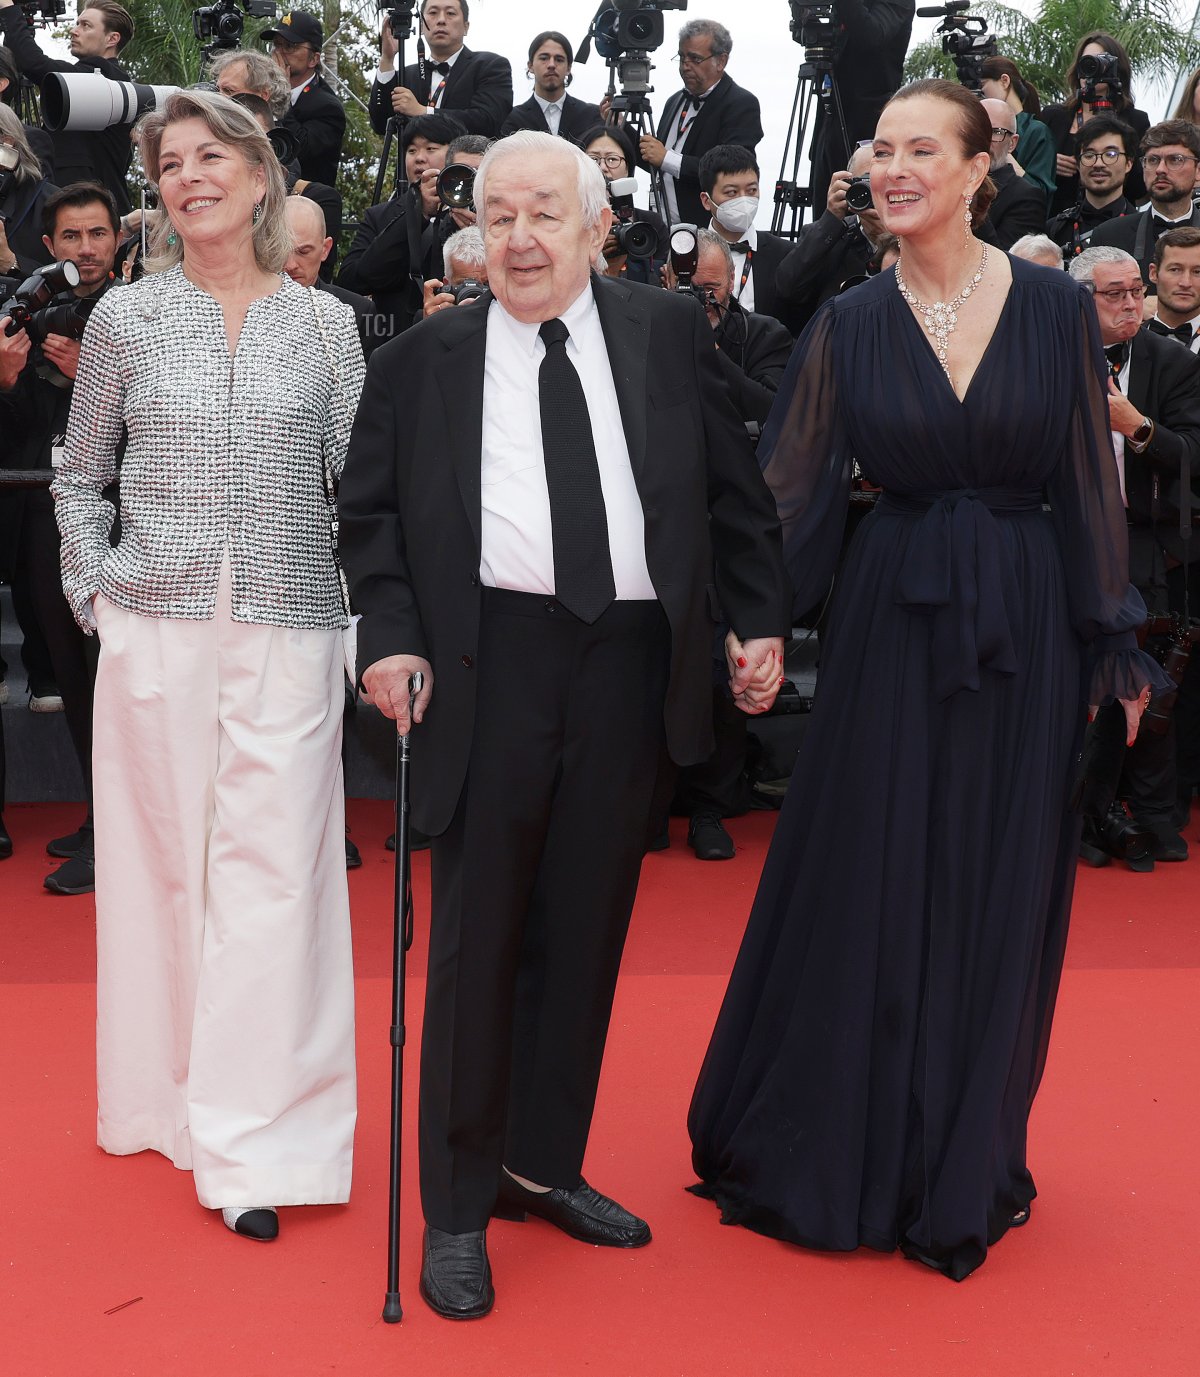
[{"x": 401, "y": 941}]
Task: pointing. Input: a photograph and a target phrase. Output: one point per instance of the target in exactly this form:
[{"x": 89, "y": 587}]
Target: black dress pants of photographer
[
  {"x": 1187, "y": 705},
  {"x": 73, "y": 656},
  {"x": 533, "y": 885}
]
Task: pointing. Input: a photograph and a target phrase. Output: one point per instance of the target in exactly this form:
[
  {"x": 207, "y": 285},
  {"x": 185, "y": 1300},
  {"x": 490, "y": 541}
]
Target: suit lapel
[
  {"x": 1140, "y": 367},
  {"x": 455, "y": 77},
  {"x": 626, "y": 326},
  {"x": 461, "y": 383}
]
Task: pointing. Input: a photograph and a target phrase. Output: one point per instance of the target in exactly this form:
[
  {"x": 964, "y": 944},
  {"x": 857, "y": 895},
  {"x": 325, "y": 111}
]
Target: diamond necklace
[{"x": 942, "y": 316}]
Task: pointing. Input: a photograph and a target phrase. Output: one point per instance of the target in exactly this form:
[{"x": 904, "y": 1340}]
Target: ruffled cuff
[{"x": 1124, "y": 674}]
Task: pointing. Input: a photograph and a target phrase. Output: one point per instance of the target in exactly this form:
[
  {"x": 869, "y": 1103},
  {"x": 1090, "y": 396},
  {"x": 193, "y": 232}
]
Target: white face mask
[{"x": 737, "y": 214}]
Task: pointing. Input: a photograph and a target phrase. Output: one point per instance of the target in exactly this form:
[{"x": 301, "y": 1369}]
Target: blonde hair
[
  {"x": 236, "y": 128},
  {"x": 28, "y": 168}
]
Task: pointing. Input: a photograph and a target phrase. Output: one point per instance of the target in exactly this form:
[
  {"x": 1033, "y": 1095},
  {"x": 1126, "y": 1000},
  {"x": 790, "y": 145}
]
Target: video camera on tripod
[
  {"x": 399, "y": 16},
  {"x": 223, "y": 22},
  {"x": 625, "y": 33},
  {"x": 965, "y": 38},
  {"x": 43, "y": 13}
]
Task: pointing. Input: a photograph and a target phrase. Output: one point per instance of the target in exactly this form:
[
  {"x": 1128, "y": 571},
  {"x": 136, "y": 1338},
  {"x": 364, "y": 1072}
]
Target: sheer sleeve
[
  {"x": 89, "y": 465},
  {"x": 805, "y": 457},
  {"x": 1085, "y": 497}
]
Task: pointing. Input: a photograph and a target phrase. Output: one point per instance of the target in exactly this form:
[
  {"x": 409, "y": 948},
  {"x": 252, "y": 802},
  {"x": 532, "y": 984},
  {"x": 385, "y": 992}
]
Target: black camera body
[
  {"x": 858, "y": 194},
  {"x": 221, "y": 25},
  {"x": 817, "y": 30},
  {"x": 469, "y": 289},
  {"x": 44, "y": 12},
  {"x": 1098, "y": 69},
  {"x": 24, "y": 309},
  {"x": 626, "y": 32},
  {"x": 400, "y": 16},
  {"x": 965, "y": 38},
  {"x": 635, "y": 238}
]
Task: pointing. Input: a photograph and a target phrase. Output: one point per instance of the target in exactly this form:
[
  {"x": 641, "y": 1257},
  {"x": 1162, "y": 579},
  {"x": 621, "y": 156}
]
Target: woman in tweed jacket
[{"x": 224, "y": 982}]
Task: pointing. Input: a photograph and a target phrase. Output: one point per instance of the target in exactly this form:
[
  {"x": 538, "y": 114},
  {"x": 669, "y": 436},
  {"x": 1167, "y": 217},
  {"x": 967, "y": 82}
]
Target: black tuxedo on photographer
[
  {"x": 1019, "y": 209},
  {"x": 728, "y": 114},
  {"x": 317, "y": 120},
  {"x": 101, "y": 156},
  {"x": 577, "y": 117},
  {"x": 538, "y": 823},
  {"x": 386, "y": 259},
  {"x": 868, "y": 70},
  {"x": 478, "y": 91},
  {"x": 825, "y": 254}
]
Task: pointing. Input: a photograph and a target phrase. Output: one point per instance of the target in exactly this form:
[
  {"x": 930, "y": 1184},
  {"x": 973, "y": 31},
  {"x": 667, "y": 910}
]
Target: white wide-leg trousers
[{"x": 225, "y": 991}]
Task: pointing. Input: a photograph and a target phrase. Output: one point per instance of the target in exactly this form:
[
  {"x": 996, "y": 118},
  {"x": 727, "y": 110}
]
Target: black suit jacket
[
  {"x": 410, "y": 511},
  {"x": 729, "y": 115},
  {"x": 1164, "y": 384},
  {"x": 1019, "y": 209},
  {"x": 577, "y": 118},
  {"x": 318, "y": 122},
  {"x": 479, "y": 92},
  {"x": 753, "y": 354},
  {"x": 1134, "y": 232},
  {"x": 365, "y": 315},
  {"x": 380, "y": 262},
  {"x": 769, "y": 253},
  {"x": 21, "y": 208},
  {"x": 102, "y": 156},
  {"x": 824, "y": 256}
]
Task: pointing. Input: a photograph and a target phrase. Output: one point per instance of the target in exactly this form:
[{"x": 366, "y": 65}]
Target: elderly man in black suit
[
  {"x": 550, "y": 108},
  {"x": 476, "y": 88},
  {"x": 1154, "y": 407},
  {"x": 711, "y": 109},
  {"x": 1020, "y": 204},
  {"x": 317, "y": 118},
  {"x": 548, "y": 505}
]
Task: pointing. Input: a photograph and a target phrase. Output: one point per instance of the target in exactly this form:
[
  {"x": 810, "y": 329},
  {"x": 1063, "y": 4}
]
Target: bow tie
[
  {"x": 1161, "y": 226},
  {"x": 697, "y": 101},
  {"x": 742, "y": 247},
  {"x": 441, "y": 67},
  {"x": 1116, "y": 354},
  {"x": 1183, "y": 333}
]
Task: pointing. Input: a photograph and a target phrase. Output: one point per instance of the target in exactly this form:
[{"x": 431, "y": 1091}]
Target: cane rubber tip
[{"x": 392, "y": 1314}]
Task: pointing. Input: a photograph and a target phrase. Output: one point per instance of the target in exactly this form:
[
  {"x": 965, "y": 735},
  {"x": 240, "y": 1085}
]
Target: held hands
[
  {"x": 7, "y": 254},
  {"x": 388, "y": 46},
  {"x": 1134, "y": 708},
  {"x": 386, "y": 684},
  {"x": 755, "y": 671},
  {"x": 653, "y": 150},
  {"x": 435, "y": 300},
  {"x": 428, "y": 189},
  {"x": 1122, "y": 414}
]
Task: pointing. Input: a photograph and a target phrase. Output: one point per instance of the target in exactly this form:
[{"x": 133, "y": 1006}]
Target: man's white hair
[
  {"x": 1035, "y": 247},
  {"x": 1083, "y": 266},
  {"x": 532, "y": 146},
  {"x": 465, "y": 247}
]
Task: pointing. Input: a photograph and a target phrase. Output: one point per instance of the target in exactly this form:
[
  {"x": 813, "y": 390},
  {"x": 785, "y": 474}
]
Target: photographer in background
[
  {"x": 612, "y": 149},
  {"x": 550, "y": 109},
  {"x": 868, "y": 68},
  {"x": 711, "y": 109},
  {"x": 1175, "y": 276},
  {"x": 241, "y": 71},
  {"x": 840, "y": 245},
  {"x": 317, "y": 118},
  {"x": 80, "y": 224},
  {"x": 1106, "y": 156},
  {"x": 385, "y": 259},
  {"x": 1019, "y": 207},
  {"x": 102, "y": 29},
  {"x": 1092, "y": 95},
  {"x": 729, "y": 192},
  {"x": 477, "y": 88},
  {"x": 311, "y": 247},
  {"x": 10, "y": 94},
  {"x": 464, "y": 257},
  {"x": 1000, "y": 79},
  {"x": 23, "y": 193}
]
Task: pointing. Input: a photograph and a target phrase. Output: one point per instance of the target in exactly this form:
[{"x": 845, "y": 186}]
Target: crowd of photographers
[{"x": 1087, "y": 184}]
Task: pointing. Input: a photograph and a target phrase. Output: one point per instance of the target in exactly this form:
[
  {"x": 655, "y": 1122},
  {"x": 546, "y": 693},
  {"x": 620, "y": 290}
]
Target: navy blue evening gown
[{"x": 871, "y": 1072}]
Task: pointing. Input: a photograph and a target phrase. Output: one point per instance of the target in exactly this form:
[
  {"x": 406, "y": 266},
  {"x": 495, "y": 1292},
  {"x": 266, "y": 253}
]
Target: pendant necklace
[{"x": 942, "y": 316}]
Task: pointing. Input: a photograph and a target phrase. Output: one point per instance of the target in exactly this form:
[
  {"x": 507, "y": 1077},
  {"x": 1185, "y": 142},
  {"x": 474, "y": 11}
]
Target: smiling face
[
  {"x": 1104, "y": 164},
  {"x": 207, "y": 188},
  {"x": 539, "y": 251},
  {"x": 920, "y": 172}
]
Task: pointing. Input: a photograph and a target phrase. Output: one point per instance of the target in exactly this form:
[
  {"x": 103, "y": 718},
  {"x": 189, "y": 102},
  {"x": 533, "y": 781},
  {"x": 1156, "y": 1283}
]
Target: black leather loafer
[
  {"x": 708, "y": 838},
  {"x": 583, "y": 1213},
  {"x": 456, "y": 1277}
]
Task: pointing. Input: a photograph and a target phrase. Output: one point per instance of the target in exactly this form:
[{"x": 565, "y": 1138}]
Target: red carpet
[{"x": 1104, "y": 1279}]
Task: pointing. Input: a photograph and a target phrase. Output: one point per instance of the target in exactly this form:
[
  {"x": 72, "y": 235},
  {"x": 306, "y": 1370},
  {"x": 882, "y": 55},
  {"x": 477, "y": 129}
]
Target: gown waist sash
[{"x": 956, "y": 571}]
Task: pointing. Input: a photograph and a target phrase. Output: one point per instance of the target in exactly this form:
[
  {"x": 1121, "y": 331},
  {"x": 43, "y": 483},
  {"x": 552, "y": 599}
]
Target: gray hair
[
  {"x": 1083, "y": 266},
  {"x": 532, "y": 144},
  {"x": 236, "y": 128},
  {"x": 466, "y": 246},
  {"x": 467, "y": 143},
  {"x": 710, "y": 239},
  {"x": 722, "y": 39},
  {"x": 28, "y": 168},
  {"x": 261, "y": 75},
  {"x": 1035, "y": 246}
]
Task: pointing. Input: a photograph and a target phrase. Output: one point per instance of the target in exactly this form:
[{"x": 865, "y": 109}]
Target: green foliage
[
  {"x": 1043, "y": 46},
  {"x": 164, "y": 50}
]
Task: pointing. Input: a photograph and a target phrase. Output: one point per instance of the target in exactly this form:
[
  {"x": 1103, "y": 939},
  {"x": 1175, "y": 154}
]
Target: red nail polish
[{"x": 741, "y": 662}]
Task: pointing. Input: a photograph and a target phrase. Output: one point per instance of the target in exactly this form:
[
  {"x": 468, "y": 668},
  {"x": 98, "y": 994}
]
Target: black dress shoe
[
  {"x": 583, "y": 1213},
  {"x": 65, "y": 847},
  {"x": 353, "y": 855},
  {"x": 417, "y": 841},
  {"x": 1169, "y": 846},
  {"x": 709, "y": 839},
  {"x": 5, "y": 842},
  {"x": 76, "y": 876},
  {"x": 456, "y": 1277}
]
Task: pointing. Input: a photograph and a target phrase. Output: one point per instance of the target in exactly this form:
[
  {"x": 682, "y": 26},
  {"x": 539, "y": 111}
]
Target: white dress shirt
[
  {"x": 1194, "y": 323},
  {"x": 1117, "y": 438},
  {"x": 677, "y": 135},
  {"x": 386, "y": 78},
  {"x": 744, "y": 295},
  {"x": 517, "y": 543},
  {"x": 552, "y": 109}
]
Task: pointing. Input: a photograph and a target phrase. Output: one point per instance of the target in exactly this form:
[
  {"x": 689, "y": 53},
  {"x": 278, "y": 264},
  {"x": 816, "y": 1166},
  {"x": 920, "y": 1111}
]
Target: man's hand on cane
[{"x": 386, "y": 683}]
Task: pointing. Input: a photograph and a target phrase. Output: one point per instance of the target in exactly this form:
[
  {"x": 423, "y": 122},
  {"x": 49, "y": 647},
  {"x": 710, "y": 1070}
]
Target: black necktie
[
  {"x": 583, "y": 576},
  {"x": 1183, "y": 333},
  {"x": 1116, "y": 354}
]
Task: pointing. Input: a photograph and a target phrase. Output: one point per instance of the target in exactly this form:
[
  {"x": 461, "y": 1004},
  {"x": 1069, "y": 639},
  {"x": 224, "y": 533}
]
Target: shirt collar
[
  {"x": 574, "y": 318},
  {"x": 546, "y": 104},
  {"x": 1194, "y": 323}
]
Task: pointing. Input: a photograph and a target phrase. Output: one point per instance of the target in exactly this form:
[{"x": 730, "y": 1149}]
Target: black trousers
[{"x": 533, "y": 886}]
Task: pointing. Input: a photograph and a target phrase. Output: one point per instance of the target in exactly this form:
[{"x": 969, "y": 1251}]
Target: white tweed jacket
[{"x": 224, "y": 453}]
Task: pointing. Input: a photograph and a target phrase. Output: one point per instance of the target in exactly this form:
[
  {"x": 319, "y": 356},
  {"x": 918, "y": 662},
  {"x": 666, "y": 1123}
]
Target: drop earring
[
  {"x": 967, "y": 226},
  {"x": 172, "y": 240},
  {"x": 257, "y": 213}
]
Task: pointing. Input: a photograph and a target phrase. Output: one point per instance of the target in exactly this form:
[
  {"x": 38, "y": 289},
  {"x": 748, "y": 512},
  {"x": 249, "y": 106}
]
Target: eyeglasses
[
  {"x": 998, "y": 134},
  {"x": 1172, "y": 160},
  {"x": 1109, "y": 155},
  {"x": 1115, "y": 295},
  {"x": 609, "y": 160},
  {"x": 694, "y": 59}
]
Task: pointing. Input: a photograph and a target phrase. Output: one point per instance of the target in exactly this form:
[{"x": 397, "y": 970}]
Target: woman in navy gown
[{"x": 871, "y": 1072}]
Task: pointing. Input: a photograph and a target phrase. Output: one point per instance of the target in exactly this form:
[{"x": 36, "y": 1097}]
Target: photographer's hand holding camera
[
  {"x": 465, "y": 259},
  {"x": 635, "y": 247},
  {"x": 97, "y": 37}
]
